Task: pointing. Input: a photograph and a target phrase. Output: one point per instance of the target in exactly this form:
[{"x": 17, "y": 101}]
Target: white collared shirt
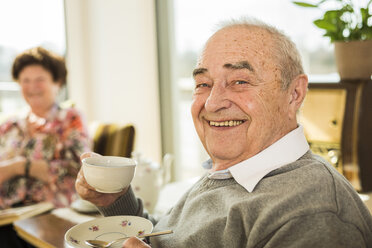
[{"x": 249, "y": 172}]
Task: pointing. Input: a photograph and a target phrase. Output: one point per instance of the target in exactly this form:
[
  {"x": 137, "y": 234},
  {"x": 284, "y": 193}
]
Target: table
[
  {"x": 44, "y": 231},
  {"x": 48, "y": 230}
]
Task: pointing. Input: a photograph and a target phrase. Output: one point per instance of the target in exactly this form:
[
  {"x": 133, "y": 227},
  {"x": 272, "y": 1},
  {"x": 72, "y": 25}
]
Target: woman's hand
[
  {"x": 17, "y": 167},
  {"x": 40, "y": 169},
  {"x": 11, "y": 168},
  {"x": 88, "y": 193},
  {"x": 135, "y": 243}
]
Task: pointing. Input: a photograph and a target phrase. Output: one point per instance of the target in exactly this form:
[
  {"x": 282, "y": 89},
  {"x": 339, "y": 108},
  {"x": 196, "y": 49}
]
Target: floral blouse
[{"x": 60, "y": 140}]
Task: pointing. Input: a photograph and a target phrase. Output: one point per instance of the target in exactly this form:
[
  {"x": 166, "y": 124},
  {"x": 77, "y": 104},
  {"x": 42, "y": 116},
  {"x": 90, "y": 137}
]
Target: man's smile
[{"x": 227, "y": 123}]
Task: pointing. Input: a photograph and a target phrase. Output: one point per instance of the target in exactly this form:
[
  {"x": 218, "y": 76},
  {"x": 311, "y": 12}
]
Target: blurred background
[{"x": 130, "y": 61}]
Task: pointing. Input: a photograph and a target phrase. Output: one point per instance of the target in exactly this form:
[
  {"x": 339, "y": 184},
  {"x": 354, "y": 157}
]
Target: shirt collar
[
  {"x": 249, "y": 172},
  {"x": 25, "y": 112}
]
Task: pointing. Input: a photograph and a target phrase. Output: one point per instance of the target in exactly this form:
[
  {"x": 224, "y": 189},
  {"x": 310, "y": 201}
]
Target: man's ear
[{"x": 297, "y": 91}]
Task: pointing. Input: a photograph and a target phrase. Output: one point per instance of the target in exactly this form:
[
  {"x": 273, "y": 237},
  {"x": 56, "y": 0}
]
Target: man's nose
[{"x": 217, "y": 99}]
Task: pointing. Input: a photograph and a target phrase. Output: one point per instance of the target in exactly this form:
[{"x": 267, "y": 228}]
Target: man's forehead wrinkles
[{"x": 239, "y": 65}]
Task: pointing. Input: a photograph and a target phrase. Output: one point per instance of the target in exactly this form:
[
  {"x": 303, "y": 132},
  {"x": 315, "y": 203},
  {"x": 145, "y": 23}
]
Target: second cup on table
[{"x": 108, "y": 174}]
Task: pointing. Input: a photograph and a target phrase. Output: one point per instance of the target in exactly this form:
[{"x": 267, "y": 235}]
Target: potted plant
[{"x": 349, "y": 27}]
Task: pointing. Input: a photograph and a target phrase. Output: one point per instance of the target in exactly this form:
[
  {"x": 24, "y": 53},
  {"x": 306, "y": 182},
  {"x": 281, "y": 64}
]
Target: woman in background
[{"x": 39, "y": 151}]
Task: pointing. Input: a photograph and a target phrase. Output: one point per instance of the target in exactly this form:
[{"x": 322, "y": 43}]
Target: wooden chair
[{"x": 114, "y": 140}]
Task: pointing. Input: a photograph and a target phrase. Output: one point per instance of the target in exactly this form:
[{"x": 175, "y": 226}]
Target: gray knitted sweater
[{"x": 304, "y": 204}]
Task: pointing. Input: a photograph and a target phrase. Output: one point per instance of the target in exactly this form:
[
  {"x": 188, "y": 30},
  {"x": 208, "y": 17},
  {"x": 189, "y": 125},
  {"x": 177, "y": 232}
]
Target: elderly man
[{"x": 264, "y": 187}]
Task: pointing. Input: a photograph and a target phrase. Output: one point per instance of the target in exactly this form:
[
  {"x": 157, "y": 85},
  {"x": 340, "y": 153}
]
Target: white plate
[{"x": 107, "y": 229}]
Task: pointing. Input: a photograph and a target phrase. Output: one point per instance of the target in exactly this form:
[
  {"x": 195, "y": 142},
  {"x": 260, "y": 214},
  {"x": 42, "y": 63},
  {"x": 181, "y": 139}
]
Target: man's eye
[
  {"x": 201, "y": 85},
  {"x": 241, "y": 82}
]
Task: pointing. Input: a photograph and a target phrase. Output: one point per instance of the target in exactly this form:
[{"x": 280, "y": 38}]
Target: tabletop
[
  {"x": 44, "y": 231},
  {"x": 48, "y": 230}
]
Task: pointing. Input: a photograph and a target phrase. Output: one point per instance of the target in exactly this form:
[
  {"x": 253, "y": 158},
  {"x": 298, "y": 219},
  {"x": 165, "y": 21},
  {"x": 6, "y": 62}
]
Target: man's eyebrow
[
  {"x": 199, "y": 71},
  {"x": 236, "y": 66},
  {"x": 239, "y": 65}
]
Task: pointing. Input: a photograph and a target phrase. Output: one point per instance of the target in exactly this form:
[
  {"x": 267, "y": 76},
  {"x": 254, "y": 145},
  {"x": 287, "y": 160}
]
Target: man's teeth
[{"x": 225, "y": 123}]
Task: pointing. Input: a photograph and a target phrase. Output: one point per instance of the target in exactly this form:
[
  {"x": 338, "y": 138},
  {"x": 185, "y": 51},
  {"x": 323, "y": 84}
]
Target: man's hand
[
  {"x": 88, "y": 193},
  {"x": 135, "y": 243}
]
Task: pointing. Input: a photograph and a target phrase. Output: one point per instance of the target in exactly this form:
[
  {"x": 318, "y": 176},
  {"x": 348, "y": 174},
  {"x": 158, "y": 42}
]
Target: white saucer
[
  {"x": 107, "y": 229},
  {"x": 83, "y": 206}
]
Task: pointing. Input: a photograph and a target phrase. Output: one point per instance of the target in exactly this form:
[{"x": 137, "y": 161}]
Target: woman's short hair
[{"x": 50, "y": 61}]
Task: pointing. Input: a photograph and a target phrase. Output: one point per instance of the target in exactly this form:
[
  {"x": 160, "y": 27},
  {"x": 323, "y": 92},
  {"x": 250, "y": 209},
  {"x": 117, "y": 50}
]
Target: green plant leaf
[
  {"x": 364, "y": 14},
  {"x": 334, "y": 16},
  {"x": 303, "y": 4},
  {"x": 325, "y": 24}
]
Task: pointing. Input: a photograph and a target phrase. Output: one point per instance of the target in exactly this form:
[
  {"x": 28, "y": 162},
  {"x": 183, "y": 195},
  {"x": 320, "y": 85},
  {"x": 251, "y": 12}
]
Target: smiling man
[
  {"x": 240, "y": 106},
  {"x": 263, "y": 187}
]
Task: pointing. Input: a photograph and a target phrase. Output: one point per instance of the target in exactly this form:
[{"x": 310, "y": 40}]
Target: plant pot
[{"x": 354, "y": 59}]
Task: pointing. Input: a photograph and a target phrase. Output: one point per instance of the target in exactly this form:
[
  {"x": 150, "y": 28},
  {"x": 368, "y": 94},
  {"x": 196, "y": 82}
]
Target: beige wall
[{"x": 112, "y": 62}]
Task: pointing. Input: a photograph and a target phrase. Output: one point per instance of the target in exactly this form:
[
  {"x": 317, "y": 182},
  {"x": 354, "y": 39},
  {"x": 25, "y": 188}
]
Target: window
[
  {"x": 25, "y": 24},
  {"x": 195, "y": 20}
]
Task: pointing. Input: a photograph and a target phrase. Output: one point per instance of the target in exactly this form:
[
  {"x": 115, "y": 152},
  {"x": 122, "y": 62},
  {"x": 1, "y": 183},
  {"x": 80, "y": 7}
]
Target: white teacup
[{"x": 108, "y": 174}]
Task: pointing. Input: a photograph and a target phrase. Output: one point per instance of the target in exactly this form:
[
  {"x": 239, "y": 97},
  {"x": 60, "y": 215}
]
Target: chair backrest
[{"x": 114, "y": 140}]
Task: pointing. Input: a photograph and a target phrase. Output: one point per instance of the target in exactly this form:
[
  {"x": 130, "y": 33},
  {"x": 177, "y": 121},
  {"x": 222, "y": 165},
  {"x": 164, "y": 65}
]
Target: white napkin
[{"x": 73, "y": 216}]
